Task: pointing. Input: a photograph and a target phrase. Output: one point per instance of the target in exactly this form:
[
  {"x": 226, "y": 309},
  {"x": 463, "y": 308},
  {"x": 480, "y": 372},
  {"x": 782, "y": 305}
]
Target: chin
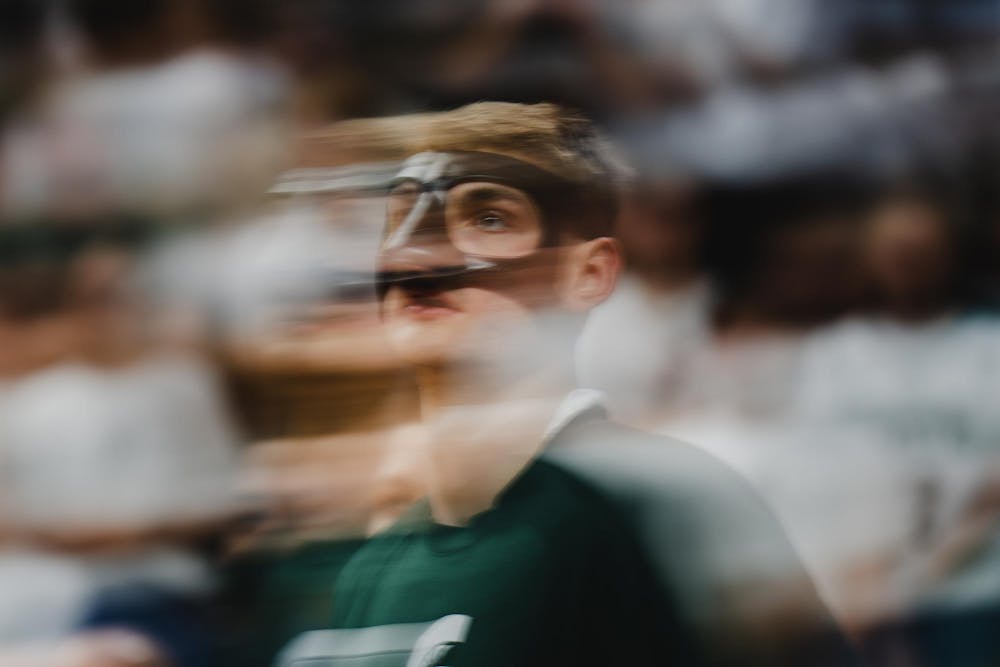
[
  {"x": 425, "y": 343},
  {"x": 424, "y": 354}
]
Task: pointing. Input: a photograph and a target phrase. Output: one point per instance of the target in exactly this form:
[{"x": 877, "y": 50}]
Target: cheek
[
  {"x": 533, "y": 285},
  {"x": 490, "y": 309},
  {"x": 486, "y": 324},
  {"x": 496, "y": 324}
]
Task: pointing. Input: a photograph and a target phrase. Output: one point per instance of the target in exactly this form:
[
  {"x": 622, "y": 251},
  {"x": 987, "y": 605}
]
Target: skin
[
  {"x": 490, "y": 370},
  {"x": 659, "y": 229},
  {"x": 910, "y": 258},
  {"x": 113, "y": 648}
]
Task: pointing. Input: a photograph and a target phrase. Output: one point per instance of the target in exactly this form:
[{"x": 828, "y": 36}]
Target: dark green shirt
[
  {"x": 550, "y": 576},
  {"x": 270, "y": 597}
]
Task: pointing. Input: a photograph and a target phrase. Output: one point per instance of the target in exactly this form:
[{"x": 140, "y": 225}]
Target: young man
[{"x": 496, "y": 245}]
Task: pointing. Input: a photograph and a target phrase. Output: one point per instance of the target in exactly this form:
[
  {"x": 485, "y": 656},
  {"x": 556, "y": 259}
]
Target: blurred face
[
  {"x": 909, "y": 251},
  {"x": 811, "y": 276},
  {"x": 658, "y": 228},
  {"x": 468, "y": 257},
  {"x": 77, "y": 309},
  {"x": 471, "y": 50}
]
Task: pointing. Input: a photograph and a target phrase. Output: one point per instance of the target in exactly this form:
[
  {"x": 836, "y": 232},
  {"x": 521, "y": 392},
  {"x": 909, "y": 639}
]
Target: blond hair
[
  {"x": 561, "y": 141},
  {"x": 549, "y": 136}
]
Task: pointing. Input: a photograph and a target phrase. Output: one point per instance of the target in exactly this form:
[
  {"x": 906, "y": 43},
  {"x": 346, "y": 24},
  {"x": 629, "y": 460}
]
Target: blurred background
[{"x": 191, "y": 361}]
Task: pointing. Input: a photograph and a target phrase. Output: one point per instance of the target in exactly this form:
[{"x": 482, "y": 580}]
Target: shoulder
[
  {"x": 635, "y": 463},
  {"x": 692, "y": 512},
  {"x": 712, "y": 541}
]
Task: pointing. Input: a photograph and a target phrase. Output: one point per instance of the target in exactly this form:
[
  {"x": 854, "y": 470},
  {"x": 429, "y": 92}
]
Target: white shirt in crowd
[{"x": 83, "y": 448}]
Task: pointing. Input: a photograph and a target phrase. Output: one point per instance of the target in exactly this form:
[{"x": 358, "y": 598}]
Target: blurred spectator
[
  {"x": 116, "y": 458},
  {"x": 778, "y": 260},
  {"x": 634, "y": 345},
  {"x": 120, "y": 34},
  {"x": 721, "y": 41},
  {"x": 117, "y": 33},
  {"x": 438, "y": 54},
  {"x": 781, "y": 263},
  {"x": 166, "y": 122},
  {"x": 917, "y": 257},
  {"x": 904, "y": 398},
  {"x": 21, "y": 50},
  {"x": 783, "y": 256}
]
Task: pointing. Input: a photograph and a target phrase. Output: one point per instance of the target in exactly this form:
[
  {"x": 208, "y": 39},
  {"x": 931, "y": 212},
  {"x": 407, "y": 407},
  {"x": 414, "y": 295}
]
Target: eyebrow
[{"x": 489, "y": 192}]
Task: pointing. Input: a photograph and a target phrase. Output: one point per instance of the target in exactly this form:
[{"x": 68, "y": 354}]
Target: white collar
[{"x": 574, "y": 404}]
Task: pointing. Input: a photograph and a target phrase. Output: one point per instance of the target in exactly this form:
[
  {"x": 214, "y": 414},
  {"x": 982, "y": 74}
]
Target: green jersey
[
  {"x": 553, "y": 576},
  {"x": 271, "y": 597},
  {"x": 550, "y": 576}
]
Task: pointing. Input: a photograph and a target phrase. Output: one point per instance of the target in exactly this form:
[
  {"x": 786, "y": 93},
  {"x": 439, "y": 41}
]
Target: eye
[{"x": 490, "y": 221}]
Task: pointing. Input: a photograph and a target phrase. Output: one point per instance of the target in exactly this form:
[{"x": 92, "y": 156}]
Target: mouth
[{"x": 427, "y": 305}]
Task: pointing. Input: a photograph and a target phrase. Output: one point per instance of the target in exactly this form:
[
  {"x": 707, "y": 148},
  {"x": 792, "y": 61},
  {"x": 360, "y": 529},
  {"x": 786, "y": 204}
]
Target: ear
[{"x": 591, "y": 273}]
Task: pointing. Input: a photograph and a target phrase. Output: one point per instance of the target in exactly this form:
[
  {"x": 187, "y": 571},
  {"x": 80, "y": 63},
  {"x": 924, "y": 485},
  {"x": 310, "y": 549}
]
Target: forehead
[
  {"x": 480, "y": 191},
  {"x": 433, "y": 166},
  {"x": 462, "y": 192}
]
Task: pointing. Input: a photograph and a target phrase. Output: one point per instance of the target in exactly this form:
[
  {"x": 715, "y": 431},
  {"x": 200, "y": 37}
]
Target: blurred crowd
[{"x": 193, "y": 373}]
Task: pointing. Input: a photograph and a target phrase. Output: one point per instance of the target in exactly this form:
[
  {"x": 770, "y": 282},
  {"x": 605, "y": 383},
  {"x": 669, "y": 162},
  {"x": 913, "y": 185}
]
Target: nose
[
  {"x": 420, "y": 267},
  {"x": 421, "y": 241},
  {"x": 425, "y": 218},
  {"x": 421, "y": 254}
]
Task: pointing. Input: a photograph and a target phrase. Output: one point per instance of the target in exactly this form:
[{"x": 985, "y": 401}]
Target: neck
[
  {"x": 445, "y": 388},
  {"x": 482, "y": 430}
]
